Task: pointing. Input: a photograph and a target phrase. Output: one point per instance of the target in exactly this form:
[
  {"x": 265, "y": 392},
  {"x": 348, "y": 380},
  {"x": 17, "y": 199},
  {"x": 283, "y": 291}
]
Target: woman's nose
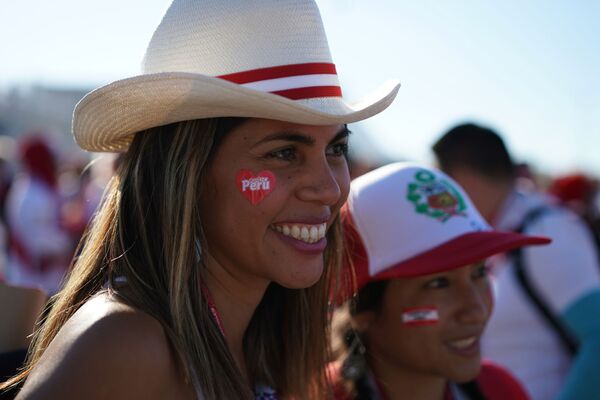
[
  {"x": 323, "y": 183},
  {"x": 475, "y": 308}
]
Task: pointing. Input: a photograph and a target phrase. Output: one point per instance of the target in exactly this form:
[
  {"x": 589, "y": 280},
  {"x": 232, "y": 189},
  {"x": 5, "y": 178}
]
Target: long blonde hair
[{"x": 153, "y": 199}]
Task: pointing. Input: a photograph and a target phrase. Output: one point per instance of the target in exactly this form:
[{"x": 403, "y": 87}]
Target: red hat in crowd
[
  {"x": 37, "y": 157},
  {"x": 576, "y": 187}
]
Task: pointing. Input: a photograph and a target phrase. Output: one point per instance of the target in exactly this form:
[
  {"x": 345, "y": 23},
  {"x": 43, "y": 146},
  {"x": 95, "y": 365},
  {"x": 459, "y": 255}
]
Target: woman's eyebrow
[
  {"x": 288, "y": 137},
  {"x": 298, "y": 137},
  {"x": 343, "y": 133}
]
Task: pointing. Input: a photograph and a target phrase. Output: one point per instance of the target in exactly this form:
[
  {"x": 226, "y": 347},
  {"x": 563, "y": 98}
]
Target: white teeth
[
  {"x": 463, "y": 343},
  {"x": 305, "y": 233},
  {"x": 314, "y": 234},
  {"x": 321, "y": 232},
  {"x": 296, "y": 232}
]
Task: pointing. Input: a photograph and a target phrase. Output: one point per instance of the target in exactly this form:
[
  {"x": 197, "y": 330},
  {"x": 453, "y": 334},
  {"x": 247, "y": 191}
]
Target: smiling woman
[
  {"x": 208, "y": 269},
  {"x": 416, "y": 246}
]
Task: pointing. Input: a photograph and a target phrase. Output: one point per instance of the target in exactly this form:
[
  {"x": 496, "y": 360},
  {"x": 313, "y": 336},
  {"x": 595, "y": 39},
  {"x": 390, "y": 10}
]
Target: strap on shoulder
[
  {"x": 533, "y": 215},
  {"x": 537, "y": 299}
]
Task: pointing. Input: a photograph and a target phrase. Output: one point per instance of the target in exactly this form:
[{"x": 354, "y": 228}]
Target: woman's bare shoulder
[{"x": 108, "y": 349}]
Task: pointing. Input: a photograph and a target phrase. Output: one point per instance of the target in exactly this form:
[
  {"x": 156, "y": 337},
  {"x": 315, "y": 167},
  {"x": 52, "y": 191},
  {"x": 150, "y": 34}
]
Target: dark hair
[
  {"x": 369, "y": 298},
  {"x": 350, "y": 345},
  {"x": 477, "y": 148}
]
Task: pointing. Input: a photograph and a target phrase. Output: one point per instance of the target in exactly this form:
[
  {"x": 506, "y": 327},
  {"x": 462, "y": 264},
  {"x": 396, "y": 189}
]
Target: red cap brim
[{"x": 464, "y": 250}]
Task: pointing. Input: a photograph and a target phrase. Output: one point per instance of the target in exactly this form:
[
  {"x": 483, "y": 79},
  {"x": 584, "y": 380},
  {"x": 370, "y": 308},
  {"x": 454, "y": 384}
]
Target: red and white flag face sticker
[
  {"x": 255, "y": 187},
  {"x": 416, "y": 316}
]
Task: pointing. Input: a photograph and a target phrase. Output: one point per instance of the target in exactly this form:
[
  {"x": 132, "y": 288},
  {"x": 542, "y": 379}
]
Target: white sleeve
[
  {"x": 566, "y": 269},
  {"x": 39, "y": 225}
]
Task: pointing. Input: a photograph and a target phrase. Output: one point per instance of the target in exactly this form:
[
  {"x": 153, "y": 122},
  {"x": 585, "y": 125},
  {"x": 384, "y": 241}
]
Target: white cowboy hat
[{"x": 220, "y": 58}]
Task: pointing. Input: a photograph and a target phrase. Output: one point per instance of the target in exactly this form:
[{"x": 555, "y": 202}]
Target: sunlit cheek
[
  {"x": 255, "y": 186},
  {"x": 415, "y": 317},
  {"x": 343, "y": 182},
  {"x": 489, "y": 296},
  {"x": 344, "y": 192}
]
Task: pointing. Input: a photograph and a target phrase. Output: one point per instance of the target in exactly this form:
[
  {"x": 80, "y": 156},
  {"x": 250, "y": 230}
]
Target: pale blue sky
[{"x": 528, "y": 68}]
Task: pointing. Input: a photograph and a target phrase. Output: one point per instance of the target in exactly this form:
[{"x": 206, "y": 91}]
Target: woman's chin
[
  {"x": 465, "y": 372},
  {"x": 302, "y": 277}
]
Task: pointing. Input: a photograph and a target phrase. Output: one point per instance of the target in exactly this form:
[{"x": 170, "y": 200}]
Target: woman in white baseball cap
[
  {"x": 207, "y": 270},
  {"x": 417, "y": 248}
]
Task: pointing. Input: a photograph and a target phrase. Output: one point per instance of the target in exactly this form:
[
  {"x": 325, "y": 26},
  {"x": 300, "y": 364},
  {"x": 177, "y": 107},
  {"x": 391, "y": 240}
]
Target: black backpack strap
[
  {"x": 594, "y": 228},
  {"x": 472, "y": 390},
  {"x": 537, "y": 299}
]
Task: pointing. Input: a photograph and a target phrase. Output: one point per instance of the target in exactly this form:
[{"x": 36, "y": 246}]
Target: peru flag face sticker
[
  {"x": 417, "y": 316},
  {"x": 255, "y": 187}
]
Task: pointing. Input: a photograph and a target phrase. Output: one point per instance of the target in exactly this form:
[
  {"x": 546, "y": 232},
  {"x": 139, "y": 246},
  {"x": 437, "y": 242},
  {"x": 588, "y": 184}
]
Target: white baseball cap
[{"x": 405, "y": 220}]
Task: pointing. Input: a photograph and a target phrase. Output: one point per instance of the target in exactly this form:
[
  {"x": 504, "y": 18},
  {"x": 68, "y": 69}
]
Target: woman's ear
[{"x": 362, "y": 321}]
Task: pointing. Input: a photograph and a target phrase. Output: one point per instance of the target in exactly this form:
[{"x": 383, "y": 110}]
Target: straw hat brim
[{"x": 106, "y": 118}]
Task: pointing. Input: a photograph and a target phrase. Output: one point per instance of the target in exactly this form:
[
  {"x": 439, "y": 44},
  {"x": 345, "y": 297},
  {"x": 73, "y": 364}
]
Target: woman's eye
[
  {"x": 338, "y": 149},
  {"x": 481, "y": 271},
  {"x": 287, "y": 154},
  {"x": 437, "y": 283}
]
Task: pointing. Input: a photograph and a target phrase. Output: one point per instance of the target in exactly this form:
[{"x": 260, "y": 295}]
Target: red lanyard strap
[{"x": 212, "y": 307}]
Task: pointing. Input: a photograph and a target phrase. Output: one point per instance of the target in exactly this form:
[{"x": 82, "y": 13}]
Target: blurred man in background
[{"x": 546, "y": 324}]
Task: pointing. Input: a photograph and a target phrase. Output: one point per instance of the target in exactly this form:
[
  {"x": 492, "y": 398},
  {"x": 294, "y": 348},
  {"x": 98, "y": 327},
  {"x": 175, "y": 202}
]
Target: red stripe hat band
[{"x": 294, "y": 81}]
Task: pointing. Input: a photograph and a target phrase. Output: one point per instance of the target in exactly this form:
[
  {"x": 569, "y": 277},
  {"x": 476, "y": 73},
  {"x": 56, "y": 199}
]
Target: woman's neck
[
  {"x": 235, "y": 301},
  {"x": 400, "y": 382}
]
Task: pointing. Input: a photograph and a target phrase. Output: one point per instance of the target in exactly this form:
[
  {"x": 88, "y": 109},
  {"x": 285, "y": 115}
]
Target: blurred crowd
[{"x": 47, "y": 197}]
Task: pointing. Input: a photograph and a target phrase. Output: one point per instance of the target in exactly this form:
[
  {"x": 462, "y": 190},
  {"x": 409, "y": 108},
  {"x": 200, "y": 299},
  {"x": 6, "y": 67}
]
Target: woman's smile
[
  {"x": 307, "y": 233},
  {"x": 468, "y": 346},
  {"x": 305, "y": 238}
]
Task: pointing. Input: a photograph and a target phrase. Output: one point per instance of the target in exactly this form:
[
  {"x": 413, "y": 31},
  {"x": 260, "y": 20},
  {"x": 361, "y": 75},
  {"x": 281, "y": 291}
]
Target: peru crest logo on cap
[{"x": 436, "y": 198}]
